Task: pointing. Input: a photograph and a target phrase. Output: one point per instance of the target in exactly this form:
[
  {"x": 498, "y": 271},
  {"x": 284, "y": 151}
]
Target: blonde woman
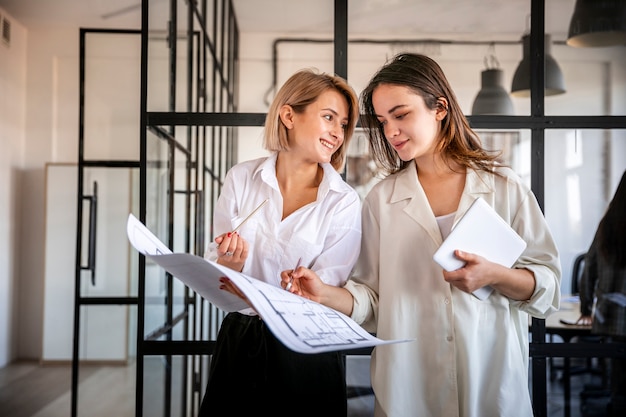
[{"x": 312, "y": 215}]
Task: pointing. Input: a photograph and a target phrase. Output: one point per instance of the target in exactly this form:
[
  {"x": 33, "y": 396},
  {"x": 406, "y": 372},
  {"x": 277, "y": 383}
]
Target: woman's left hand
[
  {"x": 515, "y": 283},
  {"x": 473, "y": 275},
  {"x": 227, "y": 285}
]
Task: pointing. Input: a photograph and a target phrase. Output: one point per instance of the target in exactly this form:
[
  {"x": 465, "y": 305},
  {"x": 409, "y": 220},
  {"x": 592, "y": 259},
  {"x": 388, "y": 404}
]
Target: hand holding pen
[
  {"x": 290, "y": 283},
  {"x": 304, "y": 282},
  {"x": 231, "y": 240}
]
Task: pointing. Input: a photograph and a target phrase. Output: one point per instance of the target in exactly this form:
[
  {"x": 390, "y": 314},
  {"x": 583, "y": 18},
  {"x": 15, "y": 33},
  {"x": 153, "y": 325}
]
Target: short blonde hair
[{"x": 301, "y": 89}]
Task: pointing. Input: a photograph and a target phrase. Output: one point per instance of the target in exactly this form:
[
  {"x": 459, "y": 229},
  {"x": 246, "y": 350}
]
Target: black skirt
[{"x": 252, "y": 372}]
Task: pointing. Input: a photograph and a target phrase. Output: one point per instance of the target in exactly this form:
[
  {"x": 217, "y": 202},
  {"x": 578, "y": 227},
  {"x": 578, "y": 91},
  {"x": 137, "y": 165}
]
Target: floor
[
  {"x": 589, "y": 392},
  {"x": 31, "y": 390}
]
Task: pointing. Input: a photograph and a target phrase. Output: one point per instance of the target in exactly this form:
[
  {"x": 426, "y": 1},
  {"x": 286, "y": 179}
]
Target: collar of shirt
[{"x": 331, "y": 181}]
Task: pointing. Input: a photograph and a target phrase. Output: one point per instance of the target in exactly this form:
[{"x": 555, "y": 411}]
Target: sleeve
[
  {"x": 541, "y": 257},
  {"x": 226, "y": 207},
  {"x": 336, "y": 261},
  {"x": 364, "y": 284},
  {"x": 589, "y": 278},
  {"x": 225, "y": 210}
]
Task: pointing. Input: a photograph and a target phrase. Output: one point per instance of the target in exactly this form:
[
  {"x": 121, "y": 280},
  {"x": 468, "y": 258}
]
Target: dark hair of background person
[{"x": 612, "y": 228}]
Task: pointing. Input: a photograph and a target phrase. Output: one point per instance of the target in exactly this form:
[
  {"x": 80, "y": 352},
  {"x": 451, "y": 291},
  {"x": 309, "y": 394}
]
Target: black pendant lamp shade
[
  {"x": 554, "y": 83},
  {"x": 492, "y": 97},
  {"x": 597, "y": 23}
]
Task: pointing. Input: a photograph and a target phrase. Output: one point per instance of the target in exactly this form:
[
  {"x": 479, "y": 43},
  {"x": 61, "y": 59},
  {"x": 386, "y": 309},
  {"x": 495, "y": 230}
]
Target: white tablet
[{"x": 483, "y": 232}]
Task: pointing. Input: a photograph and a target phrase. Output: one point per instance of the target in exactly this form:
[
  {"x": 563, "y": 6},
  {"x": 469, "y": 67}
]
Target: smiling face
[
  {"x": 317, "y": 132},
  {"x": 410, "y": 127}
]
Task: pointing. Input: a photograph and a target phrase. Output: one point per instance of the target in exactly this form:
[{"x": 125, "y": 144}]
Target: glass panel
[
  {"x": 156, "y": 185},
  {"x": 105, "y": 333},
  {"x": 108, "y": 274},
  {"x": 512, "y": 145},
  {"x": 583, "y": 168},
  {"x": 155, "y": 298},
  {"x": 60, "y": 267},
  {"x": 595, "y": 76},
  {"x": 112, "y": 81},
  {"x": 161, "y": 76},
  {"x": 108, "y": 201},
  {"x": 160, "y": 173},
  {"x": 463, "y": 50},
  {"x": 513, "y": 148},
  {"x": 361, "y": 171},
  {"x": 133, "y": 258},
  {"x": 166, "y": 381},
  {"x": 103, "y": 389},
  {"x": 207, "y": 73},
  {"x": 261, "y": 46},
  {"x": 175, "y": 85},
  {"x": 157, "y": 192}
]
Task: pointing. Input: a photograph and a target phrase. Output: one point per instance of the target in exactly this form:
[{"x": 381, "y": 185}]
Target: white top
[
  {"x": 325, "y": 233},
  {"x": 445, "y": 223},
  {"x": 470, "y": 356}
]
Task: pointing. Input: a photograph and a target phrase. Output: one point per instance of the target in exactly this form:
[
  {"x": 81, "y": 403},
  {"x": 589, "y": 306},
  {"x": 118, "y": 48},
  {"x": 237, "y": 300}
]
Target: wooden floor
[{"x": 28, "y": 389}]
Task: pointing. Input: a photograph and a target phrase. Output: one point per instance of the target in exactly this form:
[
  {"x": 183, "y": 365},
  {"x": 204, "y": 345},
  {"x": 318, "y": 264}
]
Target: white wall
[
  {"x": 39, "y": 125},
  {"x": 12, "y": 146},
  {"x": 51, "y": 134}
]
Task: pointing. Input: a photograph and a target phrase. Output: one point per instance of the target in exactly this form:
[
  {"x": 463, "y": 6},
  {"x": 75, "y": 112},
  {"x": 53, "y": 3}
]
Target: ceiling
[{"x": 467, "y": 20}]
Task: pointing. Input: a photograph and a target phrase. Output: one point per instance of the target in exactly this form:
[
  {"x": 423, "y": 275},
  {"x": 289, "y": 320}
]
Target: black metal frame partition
[
  {"x": 210, "y": 148},
  {"x": 205, "y": 150},
  {"x": 538, "y": 122},
  {"x": 83, "y": 164}
]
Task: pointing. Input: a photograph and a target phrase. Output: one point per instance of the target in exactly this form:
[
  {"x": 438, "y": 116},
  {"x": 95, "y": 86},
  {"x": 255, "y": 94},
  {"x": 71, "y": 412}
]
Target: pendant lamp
[
  {"x": 492, "y": 97},
  {"x": 598, "y": 23},
  {"x": 554, "y": 83}
]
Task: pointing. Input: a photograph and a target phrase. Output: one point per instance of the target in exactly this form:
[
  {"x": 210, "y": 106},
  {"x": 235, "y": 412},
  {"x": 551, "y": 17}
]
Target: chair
[
  {"x": 593, "y": 392},
  {"x": 577, "y": 272},
  {"x": 590, "y": 391},
  {"x": 588, "y": 367}
]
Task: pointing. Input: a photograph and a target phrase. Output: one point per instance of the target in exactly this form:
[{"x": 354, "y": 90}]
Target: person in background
[
  {"x": 312, "y": 215},
  {"x": 604, "y": 279},
  {"x": 469, "y": 356}
]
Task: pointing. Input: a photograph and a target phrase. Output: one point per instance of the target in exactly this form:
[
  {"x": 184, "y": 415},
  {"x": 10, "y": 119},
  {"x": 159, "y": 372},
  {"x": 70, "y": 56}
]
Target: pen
[
  {"x": 288, "y": 287},
  {"x": 213, "y": 245},
  {"x": 250, "y": 215}
]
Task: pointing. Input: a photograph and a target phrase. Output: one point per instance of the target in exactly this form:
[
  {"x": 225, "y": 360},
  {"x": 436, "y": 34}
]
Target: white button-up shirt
[
  {"x": 325, "y": 233},
  {"x": 469, "y": 357}
]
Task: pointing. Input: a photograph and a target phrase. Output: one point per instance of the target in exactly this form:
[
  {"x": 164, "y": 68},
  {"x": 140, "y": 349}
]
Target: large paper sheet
[{"x": 301, "y": 324}]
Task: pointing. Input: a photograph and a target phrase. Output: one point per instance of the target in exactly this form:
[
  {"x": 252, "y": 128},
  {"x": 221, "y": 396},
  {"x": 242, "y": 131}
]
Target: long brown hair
[
  {"x": 458, "y": 142},
  {"x": 612, "y": 228}
]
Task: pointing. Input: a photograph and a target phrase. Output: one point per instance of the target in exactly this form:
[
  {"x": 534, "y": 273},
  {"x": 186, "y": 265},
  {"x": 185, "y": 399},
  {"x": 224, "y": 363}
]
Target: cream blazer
[{"x": 468, "y": 357}]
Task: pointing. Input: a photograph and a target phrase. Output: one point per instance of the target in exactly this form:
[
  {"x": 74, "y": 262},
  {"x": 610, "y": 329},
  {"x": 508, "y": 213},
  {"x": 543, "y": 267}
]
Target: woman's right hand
[
  {"x": 304, "y": 283},
  {"x": 230, "y": 250},
  {"x": 308, "y": 284}
]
